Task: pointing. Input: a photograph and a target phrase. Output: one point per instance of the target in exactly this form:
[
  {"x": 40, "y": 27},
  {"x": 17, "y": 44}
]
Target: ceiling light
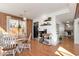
[
  {"x": 24, "y": 18},
  {"x": 24, "y": 15}
]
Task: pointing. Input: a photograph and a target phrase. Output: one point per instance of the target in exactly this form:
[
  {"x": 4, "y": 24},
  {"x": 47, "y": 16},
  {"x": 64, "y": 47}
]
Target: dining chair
[
  {"x": 9, "y": 45},
  {"x": 1, "y": 51},
  {"x": 19, "y": 47},
  {"x": 27, "y": 44},
  {"x": 1, "y": 35},
  {"x": 20, "y": 39}
]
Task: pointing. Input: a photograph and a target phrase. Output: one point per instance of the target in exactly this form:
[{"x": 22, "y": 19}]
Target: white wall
[
  {"x": 54, "y": 31},
  {"x": 76, "y": 31},
  {"x": 61, "y": 27},
  {"x": 50, "y": 29}
]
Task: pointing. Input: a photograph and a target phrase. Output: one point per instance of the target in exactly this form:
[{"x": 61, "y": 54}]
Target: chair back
[
  {"x": 1, "y": 51},
  {"x": 8, "y": 42},
  {"x": 29, "y": 38},
  {"x": 1, "y": 35}
]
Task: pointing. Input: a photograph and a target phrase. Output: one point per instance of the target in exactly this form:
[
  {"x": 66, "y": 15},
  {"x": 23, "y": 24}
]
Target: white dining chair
[
  {"x": 1, "y": 51},
  {"x": 9, "y": 45},
  {"x": 28, "y": 43},
  {"x": 20, "y": 38},
  {"x": 1, "y": 35}
]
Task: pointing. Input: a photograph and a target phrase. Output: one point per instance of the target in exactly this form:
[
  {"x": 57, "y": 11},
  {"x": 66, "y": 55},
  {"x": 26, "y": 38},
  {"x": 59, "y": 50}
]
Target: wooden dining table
[{"x": 21, "y": 39}]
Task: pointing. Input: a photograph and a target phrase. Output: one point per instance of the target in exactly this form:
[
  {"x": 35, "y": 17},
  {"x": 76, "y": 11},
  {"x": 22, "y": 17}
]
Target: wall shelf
[
  {"x": 48, "y": 19},
  {"x": 45, "y": 24}
]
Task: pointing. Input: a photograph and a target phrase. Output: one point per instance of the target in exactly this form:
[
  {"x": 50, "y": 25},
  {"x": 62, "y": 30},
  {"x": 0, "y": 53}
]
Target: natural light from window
[{"x": 63, "y": 52}]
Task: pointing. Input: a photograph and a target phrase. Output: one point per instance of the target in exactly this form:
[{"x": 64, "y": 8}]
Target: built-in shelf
[
  {"x": 45, "y": 24},
  {"x": 48, "y": 19}
]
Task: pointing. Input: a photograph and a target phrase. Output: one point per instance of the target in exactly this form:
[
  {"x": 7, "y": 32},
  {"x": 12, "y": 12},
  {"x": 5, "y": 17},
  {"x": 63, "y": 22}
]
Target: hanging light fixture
[{"x": 24, "y": 18}]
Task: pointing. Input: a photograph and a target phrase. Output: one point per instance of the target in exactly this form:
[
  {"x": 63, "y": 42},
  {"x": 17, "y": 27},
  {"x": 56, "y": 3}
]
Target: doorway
[{"x": 35, "y": 29}]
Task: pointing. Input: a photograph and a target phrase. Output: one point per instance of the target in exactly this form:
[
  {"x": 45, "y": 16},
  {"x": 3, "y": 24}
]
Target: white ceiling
[
  {"x": 35, "y": 9},
  {"x": 68, "y": 16}
]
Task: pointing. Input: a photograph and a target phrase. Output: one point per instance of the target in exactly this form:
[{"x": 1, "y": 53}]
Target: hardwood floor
[{"x": 65, "y": 48}]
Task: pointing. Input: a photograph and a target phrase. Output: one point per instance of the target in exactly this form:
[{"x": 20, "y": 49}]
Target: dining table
[{"x": 21, "y": 39}]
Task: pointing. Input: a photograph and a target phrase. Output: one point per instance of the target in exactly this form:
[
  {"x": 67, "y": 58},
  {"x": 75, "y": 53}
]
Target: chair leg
[
  {"x": 13, "y": 52},
  {"x": 17, "y": 50},
  {"x": 29, "y": 47},
  {"x": 21, "y": 49}
]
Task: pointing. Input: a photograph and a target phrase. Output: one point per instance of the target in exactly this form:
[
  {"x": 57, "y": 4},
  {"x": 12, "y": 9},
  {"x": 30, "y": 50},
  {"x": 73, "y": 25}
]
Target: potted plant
[
  {"x": 60, "y": 39},
  {"x": 49, "y": 18},
  {"x": 19, "y": 27}
]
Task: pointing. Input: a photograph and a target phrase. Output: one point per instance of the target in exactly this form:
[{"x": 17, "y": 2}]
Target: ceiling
[
  {"x": 65, "y": 17},
  {"x": 68, "y": 16},
  {"x": 34, "y": 10}
]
